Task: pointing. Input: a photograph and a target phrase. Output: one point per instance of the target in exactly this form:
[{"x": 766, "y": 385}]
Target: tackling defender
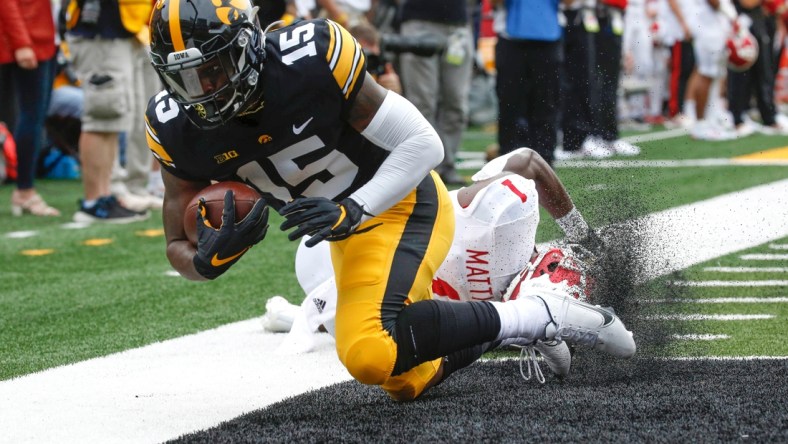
[
  {"x": 293, "y": 113},
  {"x": 492, "y": 252}
]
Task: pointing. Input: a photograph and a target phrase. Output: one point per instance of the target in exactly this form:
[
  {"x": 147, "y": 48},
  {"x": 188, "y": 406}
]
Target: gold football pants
[{"x": 388, "y": 263}]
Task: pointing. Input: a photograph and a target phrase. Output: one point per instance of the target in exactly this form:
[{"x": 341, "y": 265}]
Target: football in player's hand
[{"x": 245, "y": 198}]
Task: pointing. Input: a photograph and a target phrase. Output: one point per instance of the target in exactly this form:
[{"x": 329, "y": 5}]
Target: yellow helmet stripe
[{"x": 175, "y": 25}]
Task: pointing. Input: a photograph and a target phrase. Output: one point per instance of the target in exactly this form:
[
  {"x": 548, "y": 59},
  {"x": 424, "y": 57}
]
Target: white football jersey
[{"x": 494, "y": 239}]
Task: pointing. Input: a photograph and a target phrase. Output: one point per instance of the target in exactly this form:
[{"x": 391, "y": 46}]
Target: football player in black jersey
[{"x": 293, "y": 113}]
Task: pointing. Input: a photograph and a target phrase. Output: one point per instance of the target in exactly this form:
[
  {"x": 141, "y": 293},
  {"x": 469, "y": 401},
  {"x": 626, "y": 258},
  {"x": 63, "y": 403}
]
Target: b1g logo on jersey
[
  {"x": 224, "y": 157},
  {"x": 230, "y": 11}
]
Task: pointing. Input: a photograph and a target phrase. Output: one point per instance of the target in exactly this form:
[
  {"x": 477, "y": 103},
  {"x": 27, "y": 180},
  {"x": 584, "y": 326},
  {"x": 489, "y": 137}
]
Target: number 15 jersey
[{"x": 298, "y": 143}]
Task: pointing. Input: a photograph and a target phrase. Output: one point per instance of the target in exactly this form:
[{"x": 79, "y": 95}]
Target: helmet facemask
[{"x": 218, "y": 79}]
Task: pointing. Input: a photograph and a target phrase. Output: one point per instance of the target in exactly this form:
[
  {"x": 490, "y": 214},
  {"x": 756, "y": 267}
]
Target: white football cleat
[
  {"x": 279, "y": 315},
  {"x": 577, "y": 322},
  {"x": 595, "y": 148},
  {"x": 624, "y": 148},
  {"x": 557, "y": 356}
]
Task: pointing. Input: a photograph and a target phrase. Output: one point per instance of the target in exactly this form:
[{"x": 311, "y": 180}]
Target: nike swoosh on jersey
[
  {"x": 216, "y": 262},
  {"x": 298, "y": 129}
]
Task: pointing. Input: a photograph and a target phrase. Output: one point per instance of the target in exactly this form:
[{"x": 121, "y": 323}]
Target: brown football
[{"x": 245, "y": 198}]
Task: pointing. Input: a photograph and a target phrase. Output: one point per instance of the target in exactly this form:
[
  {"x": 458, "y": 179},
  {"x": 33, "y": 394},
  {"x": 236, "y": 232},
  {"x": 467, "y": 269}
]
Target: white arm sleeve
[{"x": 415, "y": 149}]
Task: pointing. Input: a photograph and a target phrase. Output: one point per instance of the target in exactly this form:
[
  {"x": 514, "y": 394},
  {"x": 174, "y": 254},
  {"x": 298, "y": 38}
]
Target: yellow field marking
[
  {"x": 41, "y": 252},
  {"x": 774, "y": 153},
  {"x": 97, "y": 242},
  {"x": 153, "y": 232}
]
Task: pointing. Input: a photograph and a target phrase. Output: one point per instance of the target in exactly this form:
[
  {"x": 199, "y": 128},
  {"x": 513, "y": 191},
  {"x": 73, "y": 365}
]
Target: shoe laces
[
  {"x": 574, "y": 335},
  {"x": 528, "y": 355},
  {"x": 577, "y": 336}
]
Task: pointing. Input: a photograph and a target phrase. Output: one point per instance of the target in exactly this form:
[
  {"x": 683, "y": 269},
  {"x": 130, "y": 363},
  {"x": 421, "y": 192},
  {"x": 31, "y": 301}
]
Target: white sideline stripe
[
  {"x": 158, "y": 392},
  {"x": 712, "y": 228},
  {"x": 704, "y": 317},
  {"x": 745, "y": 300},
  {"x": 778, "y": 246},
  {"x": 766, "y": 283},
  {"x": 748, "y": 269},
  {"x": 704, "y": 337},
  {"x": 195, "y": 382},
  {"x": 764, "y": 257}
]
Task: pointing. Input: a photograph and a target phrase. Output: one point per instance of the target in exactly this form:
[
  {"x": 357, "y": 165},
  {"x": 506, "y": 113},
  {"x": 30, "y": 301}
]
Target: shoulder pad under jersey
[
  {"x": 331, "y": 43},
  {"x": 161, "y": 108}
]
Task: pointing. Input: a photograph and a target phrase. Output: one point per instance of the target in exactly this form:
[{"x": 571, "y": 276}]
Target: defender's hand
[
  {"x": 593, "y": 243},
  {"x": 218, "y": 249},
  {"x": 321, "y": 218}
]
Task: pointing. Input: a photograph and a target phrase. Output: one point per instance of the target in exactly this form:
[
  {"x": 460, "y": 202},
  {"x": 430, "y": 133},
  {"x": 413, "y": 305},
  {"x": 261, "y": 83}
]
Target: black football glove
[
  {"x": 218, "y": 249},
  {"x": 321, "y": 218}
]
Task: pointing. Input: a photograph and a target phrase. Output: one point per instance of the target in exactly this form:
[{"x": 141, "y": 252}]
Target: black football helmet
[{"x": 209, "y": 54}]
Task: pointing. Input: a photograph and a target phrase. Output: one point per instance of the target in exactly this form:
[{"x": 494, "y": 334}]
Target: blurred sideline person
[
  {"x": 709, "y": 22},
  {"x": 347, "y": 13},
  {"x": 439, "y": 84},
  {"x": 494, "y": 243},
  {"x": 27, "y": 48},
  {"x": 381, "y": 69},
  {"x": 757, "y": 81},
  {"x": 579, "y": 98},
  {"x": 608, "y": 47},
  {"x": 104, "y": 44},
  {"x": 674, "y": 32},
  {"x": 135, "y": 182},
  {"x": 529, "y": 55},
  {"x": 293, "y": 113}
]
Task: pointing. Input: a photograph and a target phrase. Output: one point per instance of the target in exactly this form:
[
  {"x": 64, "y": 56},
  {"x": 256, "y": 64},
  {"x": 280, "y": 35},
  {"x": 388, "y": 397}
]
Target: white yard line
[
  {"x": 658, "y": 135},
  {"x": 700, "y": 337},
  {"x": 747, "y": 269},
  {"x": 743, "y": 300},
  {"x": 164, "y": 390},
  {"x": 707, "y": 317},
  {"x": 765, "y": 283},
  {"x": 765, "y": 256},
  {"x": 474, "y": 163},
  {"x": 20, "y": 234},
  {"x": 778, "y": 246},
  {"x": 687, "y": 163}
]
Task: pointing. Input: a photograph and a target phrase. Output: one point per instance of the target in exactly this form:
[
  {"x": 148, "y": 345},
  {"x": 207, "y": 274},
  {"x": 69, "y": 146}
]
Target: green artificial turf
[{"x": 83, "y": 301}]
